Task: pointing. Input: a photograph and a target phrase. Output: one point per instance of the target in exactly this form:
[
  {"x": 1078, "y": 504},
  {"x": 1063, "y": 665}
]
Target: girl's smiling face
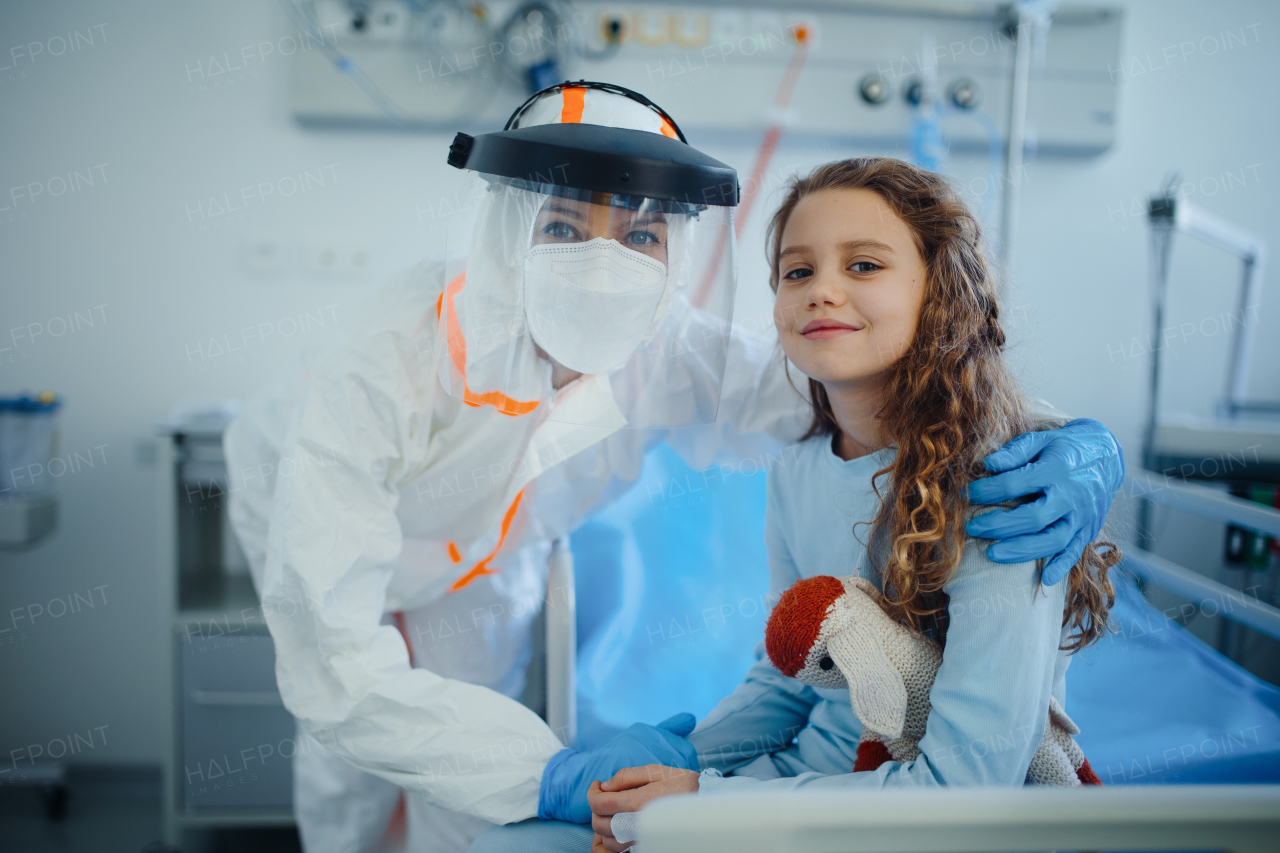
[{"x": 850, "y": 285}]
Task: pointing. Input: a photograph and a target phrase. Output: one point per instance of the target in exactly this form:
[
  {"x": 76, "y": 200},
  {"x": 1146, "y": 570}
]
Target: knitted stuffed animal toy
[{"x": 834, "y": 632}]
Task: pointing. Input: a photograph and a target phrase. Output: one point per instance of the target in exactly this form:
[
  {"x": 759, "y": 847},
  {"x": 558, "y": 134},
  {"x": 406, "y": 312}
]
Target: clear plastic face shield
[{"x": 588, "y": 305}]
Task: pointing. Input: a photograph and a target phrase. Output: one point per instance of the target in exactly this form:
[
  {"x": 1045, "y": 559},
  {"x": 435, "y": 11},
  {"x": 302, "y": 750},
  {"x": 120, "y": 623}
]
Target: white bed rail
[
  {"x": 1230, "y": 818},
  {"x": 1207, "y": 594},
  {"x": 1211, "y": 597},
  {"x": 1202, "y": 501},
  {"x": 562, "y": 644}
]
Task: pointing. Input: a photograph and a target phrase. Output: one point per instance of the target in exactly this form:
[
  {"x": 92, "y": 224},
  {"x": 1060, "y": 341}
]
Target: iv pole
[{"x": 1030, "y": 19}]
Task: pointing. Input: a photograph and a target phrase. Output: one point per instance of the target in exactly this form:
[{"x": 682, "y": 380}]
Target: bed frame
[{"x": 1233, "y": 818}]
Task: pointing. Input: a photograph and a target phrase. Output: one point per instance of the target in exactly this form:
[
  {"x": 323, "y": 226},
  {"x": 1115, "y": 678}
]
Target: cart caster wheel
[{"x": 55, "y": 798}]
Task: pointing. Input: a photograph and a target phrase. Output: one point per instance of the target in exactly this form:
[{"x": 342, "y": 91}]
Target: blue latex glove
[
  {"x": 1075, "y": 470},
  {"x": 569, "y": 773}
]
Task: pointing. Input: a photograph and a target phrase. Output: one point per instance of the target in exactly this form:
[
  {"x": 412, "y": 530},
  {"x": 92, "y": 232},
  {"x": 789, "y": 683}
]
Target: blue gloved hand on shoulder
[
  {"x": 1076, "y": 471},
  {"x": 569, "y": 773}
]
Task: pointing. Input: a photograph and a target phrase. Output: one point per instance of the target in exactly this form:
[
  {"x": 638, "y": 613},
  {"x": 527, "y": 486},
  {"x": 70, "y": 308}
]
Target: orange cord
[{"x": 771, "y": 138}]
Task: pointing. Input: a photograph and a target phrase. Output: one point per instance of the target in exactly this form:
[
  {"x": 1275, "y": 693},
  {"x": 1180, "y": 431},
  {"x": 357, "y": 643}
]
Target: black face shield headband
[{"x": 592, "y": 158}]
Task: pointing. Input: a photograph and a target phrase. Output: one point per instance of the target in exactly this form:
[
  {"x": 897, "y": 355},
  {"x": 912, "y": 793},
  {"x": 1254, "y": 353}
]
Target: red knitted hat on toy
[{"x": 794, "y": 624}]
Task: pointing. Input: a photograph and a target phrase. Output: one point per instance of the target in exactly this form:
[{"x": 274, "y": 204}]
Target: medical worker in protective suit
[{"x": 469, "y": 417}]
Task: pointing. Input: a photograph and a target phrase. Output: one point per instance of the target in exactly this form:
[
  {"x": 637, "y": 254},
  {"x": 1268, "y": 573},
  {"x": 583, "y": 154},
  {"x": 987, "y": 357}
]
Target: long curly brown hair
[{"x": 950, "y": 400}]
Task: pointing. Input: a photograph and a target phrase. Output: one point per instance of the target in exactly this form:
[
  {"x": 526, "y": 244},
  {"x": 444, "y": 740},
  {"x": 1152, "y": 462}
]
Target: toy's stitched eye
[{"x": 826, "y": 662}]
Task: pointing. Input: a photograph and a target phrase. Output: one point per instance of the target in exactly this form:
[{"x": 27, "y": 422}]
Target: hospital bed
[
  {"x": 1235, "y": 818},
  {"x": 1186, "y": 742}
]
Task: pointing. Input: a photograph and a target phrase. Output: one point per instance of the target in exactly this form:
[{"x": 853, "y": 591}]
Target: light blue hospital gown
[
  {"x": 990, "y": 699},
  {"x": 991, "y": 696}
]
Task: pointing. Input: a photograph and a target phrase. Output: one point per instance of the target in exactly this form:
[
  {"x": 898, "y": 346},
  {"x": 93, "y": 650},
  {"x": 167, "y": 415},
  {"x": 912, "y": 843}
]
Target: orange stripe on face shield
[
  {"x": 458, "y": 354},
  {"x": 481, "y": 568},
  {"x": 575, "y": 100}
]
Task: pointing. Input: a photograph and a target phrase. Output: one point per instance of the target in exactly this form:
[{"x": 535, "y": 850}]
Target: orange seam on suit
[
  {"x": 668, "y": 130},
  {"x": 574, "y": 101},
  {"x": 482, "y": 568},
  {"x": 458, "y": 353}
]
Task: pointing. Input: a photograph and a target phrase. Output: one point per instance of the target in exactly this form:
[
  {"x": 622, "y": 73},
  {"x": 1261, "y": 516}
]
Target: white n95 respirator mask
[{"x": 590, "y": 305}]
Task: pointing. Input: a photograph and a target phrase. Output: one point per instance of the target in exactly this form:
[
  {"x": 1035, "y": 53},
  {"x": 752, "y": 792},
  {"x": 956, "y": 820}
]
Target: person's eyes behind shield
[
  {"x": 645, "y": 233},
  {"x": 568, "y": 221},
  {"x": 559, "y": 231}
]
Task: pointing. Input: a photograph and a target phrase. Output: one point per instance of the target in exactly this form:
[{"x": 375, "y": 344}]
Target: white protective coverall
[{"x": 388, "y": 495}]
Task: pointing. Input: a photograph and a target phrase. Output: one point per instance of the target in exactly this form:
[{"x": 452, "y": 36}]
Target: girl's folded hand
[{"x": 628, "y": 791}]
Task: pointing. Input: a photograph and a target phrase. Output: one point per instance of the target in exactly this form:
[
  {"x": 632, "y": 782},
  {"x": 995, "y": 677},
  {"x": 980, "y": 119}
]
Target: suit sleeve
[
  {"x": 758, "y": 395},
  {"x": 333, "y": 540}
]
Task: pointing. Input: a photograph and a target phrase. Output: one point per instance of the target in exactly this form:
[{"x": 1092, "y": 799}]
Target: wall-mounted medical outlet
[{"x": 717, "y": 65}]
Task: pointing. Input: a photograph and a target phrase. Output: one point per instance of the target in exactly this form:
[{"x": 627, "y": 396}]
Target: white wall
[{"x": 165, "y": 283}]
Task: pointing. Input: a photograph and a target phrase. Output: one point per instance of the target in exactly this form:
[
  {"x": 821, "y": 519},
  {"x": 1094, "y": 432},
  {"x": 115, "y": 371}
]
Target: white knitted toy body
[{"x": 889, "y": 670}]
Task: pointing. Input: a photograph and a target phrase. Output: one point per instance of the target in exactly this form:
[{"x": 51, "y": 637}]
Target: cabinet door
[{"x": 238, "y": 740}]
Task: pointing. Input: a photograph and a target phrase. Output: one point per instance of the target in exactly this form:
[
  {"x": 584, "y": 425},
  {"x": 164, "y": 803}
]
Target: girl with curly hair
[{"x": 886, "y": 302}]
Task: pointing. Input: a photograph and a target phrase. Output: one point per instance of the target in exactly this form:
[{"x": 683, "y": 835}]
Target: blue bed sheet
[
  {"x": 671, "y": 590},
  {"x": 1156, "y": 705}
]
